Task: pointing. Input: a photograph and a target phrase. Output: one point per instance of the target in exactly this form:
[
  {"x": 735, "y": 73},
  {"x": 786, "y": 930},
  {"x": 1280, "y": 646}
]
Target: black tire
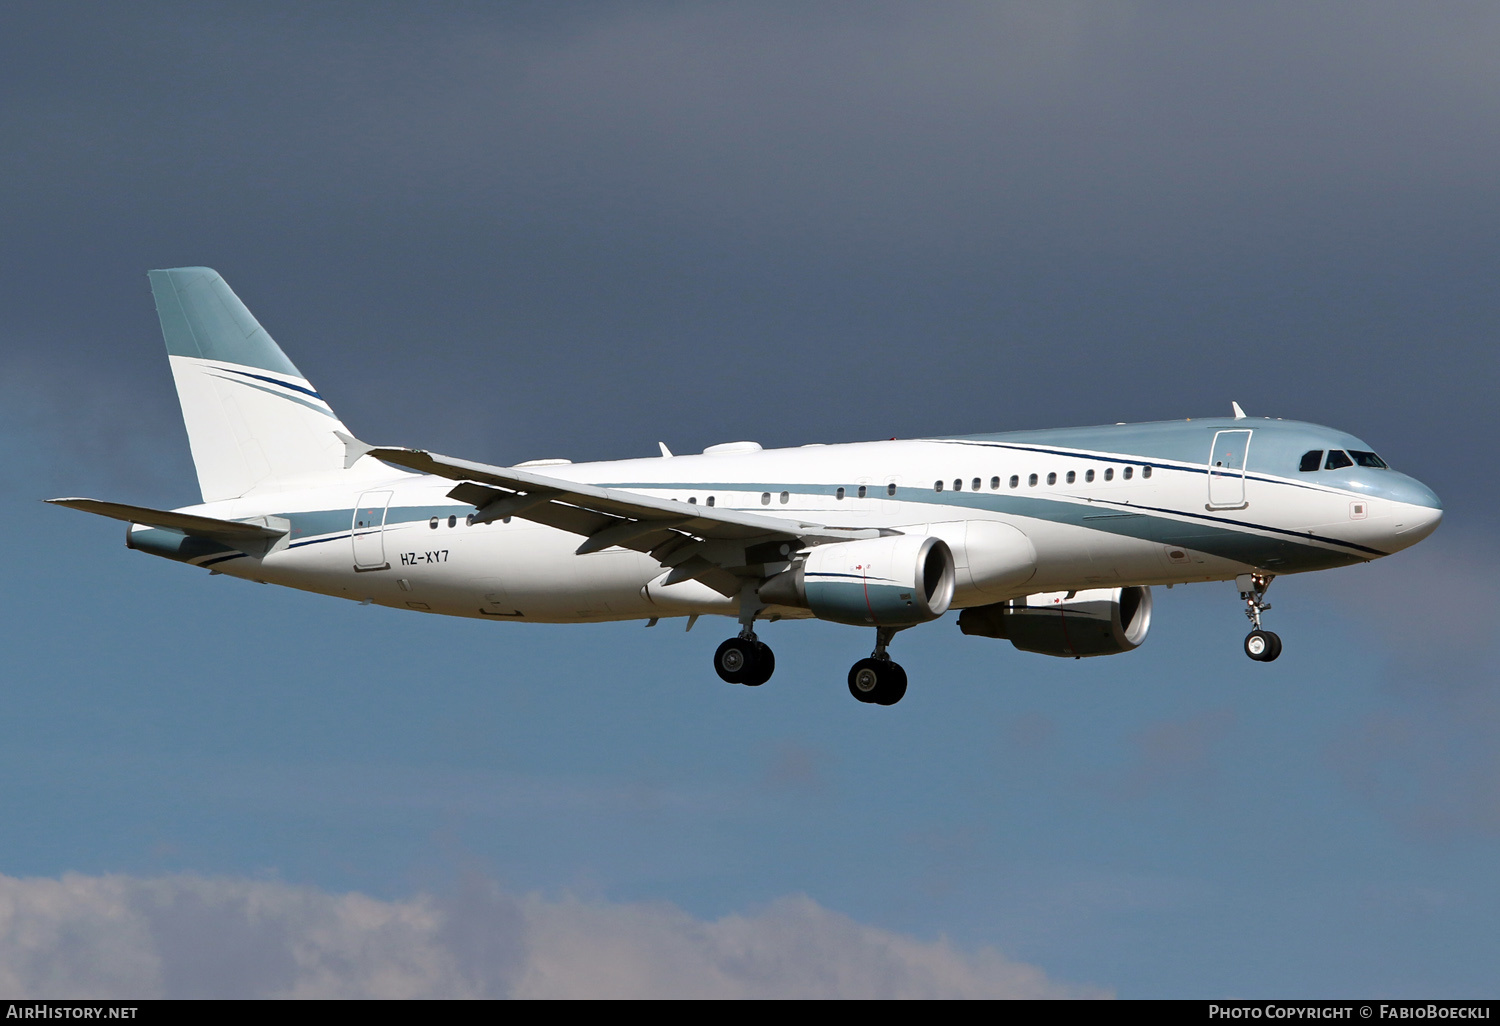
[
  {"x": 897, "y": 688},
  {"x": 764, "y": 666},
  {"x": 736, "y": 660},
  {"x": 877, "y": 681},
  {"x": 1262, "y": 646}
]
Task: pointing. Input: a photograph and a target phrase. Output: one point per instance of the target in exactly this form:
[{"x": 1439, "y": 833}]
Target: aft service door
[
  {"x": 368, "y": 531},
  {"x": 1226, "y": 470}
]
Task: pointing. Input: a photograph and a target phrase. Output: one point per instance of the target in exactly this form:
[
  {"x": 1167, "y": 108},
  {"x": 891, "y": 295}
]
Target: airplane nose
[
  {"x": 1417, "y": 524},
  {"x": 1419, "y": 513},
  {"x": 1400, "y": 488}
]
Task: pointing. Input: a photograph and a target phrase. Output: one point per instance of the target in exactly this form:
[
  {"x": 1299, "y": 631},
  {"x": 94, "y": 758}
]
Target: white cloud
[{"x": 189, "y": 936}]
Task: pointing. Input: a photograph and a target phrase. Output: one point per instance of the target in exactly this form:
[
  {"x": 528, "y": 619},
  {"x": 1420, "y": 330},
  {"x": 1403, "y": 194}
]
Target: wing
[{"x": 717, "y": 546}]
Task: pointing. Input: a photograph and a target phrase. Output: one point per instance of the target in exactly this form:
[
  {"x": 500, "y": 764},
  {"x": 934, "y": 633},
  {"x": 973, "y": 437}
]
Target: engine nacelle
[
  {"x": 888, "y": 582},
  {"x": 1090, "y": 623}
]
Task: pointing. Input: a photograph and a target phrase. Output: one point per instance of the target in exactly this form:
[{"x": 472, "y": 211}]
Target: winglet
[
  {"x": 1239, "y": 414},
  {"x": 353, "y": 448}
]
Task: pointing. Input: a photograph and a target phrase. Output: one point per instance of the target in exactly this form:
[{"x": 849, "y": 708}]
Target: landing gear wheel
[
  {"x": 745, "y": 661},
  {"x": 877, "y": 681},
  {"x": 764, "y": 666},
  {"x": 1262, "y": 646},
  {"x": 733, "y": 659}
]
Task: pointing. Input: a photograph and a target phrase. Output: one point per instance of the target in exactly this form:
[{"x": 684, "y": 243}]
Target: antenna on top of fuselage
[{"x": 1239, "y": 414}]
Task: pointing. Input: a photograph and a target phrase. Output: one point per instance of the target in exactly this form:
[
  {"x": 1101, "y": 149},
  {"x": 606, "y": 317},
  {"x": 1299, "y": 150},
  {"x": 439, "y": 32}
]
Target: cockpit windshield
[
  {"x": 1368, "y": 459},
  {"x": 1338, "y": 459}
]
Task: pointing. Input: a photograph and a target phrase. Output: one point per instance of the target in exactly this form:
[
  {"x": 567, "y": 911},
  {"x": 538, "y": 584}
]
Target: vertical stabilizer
[{"x": 252, "y": 418}]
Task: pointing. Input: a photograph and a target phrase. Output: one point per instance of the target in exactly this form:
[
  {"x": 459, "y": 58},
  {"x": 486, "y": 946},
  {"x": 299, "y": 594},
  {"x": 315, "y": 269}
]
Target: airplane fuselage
[{"x": 1101, "y": 507}]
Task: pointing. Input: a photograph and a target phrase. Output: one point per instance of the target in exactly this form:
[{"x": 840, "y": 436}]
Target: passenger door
[
  {"x": 1226, "y": 469},
  {"x": 368, "y": 531}
]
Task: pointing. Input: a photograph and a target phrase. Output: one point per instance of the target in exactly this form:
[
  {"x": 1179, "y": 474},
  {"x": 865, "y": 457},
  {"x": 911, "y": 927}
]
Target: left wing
[{"x": 717, "y": 546}]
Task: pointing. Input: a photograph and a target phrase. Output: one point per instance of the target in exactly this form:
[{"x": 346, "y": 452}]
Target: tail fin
[{"x": 252, "y": 418}]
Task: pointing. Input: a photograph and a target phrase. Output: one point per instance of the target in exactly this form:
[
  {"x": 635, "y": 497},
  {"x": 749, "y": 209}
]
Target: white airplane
[{"x": 1050, "y": 539}]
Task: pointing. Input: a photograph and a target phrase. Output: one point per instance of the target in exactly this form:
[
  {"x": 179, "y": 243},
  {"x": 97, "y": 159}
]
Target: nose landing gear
[
  {"x": 1261, "y": 645},
  {"x": 878, "y": 680}
]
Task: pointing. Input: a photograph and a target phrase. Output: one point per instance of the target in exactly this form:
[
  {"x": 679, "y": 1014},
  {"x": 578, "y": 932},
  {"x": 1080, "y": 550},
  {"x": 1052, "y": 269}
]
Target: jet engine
[
  {"x": 888, "y": 582},
  {"x": 1066, "y": 623}
]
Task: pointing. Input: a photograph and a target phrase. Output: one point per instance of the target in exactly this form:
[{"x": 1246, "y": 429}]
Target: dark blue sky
[{"x": 513, "y": 231}]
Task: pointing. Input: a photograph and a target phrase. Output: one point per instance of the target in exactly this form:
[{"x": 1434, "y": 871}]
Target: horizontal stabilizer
[{"x": 245, "y": 537}]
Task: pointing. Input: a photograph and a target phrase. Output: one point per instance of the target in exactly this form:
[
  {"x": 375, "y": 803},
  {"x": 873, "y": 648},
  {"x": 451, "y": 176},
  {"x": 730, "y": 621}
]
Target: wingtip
[{"x": 354, "y": 449}]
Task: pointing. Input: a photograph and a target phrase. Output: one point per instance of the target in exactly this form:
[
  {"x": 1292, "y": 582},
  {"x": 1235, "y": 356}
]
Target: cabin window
[
  {"x": 838, "y": 493},
  {"x": 937, "y": 486},
  {"x": 765, "y": 498},
  {"x": 469, "y": 520},
  {"x": 1129, "y": 473},
  {"x": 994, "y": 483},
  {"x": 975, "y": 486},
  {"x": 1052, "y": 478},
  {"x": 1088, "y": 475},
  {"x": 1368, "y": 459},
  {"x": 784, "y": 497},
  {"x": 1109, "y": 473},
  {"x": 958, "y": 484},
  {"x": 1311, "y": 460},
  {"x": 1015, "y": 479},
  {"x": 890, "y": 489},
  {"x": 453, "y": 521},
  {"x": 1337, "y": 460},
  {"x": 1145, "y": 471},
  {"x": 693, "y": 500},
  {"x": 1031, "y": 480},
  {"x": 710, "y": 500},
  {"x": 862, "y": 492},
  {"x": 1072, "y": 476},
  {"x": 432, "y": 523}
]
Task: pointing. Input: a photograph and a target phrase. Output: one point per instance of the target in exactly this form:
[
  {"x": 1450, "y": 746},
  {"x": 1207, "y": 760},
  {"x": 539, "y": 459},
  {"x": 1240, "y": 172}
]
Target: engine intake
[
  {"x": 894, "y": 582},
  {"x": 1104, "y": 621}
]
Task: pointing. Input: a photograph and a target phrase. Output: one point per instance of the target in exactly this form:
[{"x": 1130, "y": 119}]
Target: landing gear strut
[
  {"x": 878, "y": 680},
  {"x": 1260, "y": 645},
  {"x": 746, "y": 659}
]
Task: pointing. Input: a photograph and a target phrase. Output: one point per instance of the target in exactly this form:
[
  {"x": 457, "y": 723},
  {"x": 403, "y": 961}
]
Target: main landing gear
[
  {"x": 878, "y": 680},
  {"x": 745, "y": 660},
  {"x": 1262, "y": 646}
]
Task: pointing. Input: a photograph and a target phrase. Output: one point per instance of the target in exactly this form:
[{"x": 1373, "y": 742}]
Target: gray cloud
[
  {"x": 187, "y": 936},
  {"x": 694, "y": 221}
]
